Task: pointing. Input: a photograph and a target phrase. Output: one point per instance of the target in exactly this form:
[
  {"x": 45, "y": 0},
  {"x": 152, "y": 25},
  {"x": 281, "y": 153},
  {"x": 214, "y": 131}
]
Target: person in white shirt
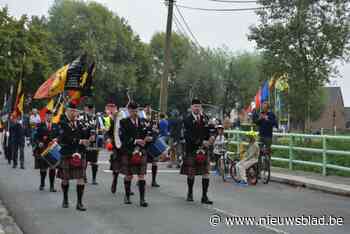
[
  {"x": 35, "y": 118},
  {"x": 219, "y": 145}
]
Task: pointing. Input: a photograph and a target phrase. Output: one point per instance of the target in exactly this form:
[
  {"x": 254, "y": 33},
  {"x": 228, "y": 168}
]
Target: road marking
[
  {"x": 159, "y": 171},
  {"x": 232, "y": 215}
]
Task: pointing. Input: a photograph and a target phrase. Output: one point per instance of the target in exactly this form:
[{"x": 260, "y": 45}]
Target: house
[
  {"x": 347, "y": 117},
  {"x": 333, "y": 114}
]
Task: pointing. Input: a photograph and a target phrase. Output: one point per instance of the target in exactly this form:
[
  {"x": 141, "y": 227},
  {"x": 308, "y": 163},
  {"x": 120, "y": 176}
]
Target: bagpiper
[
  {"x": 89, "y": 122},
  {"x": 196, "y": 161},
  {"x": 73, "y": 142},
  {"x": 44, "y": 134},
  {"x": 134, "y": 140},
  {"x": 152, "y": 129}
]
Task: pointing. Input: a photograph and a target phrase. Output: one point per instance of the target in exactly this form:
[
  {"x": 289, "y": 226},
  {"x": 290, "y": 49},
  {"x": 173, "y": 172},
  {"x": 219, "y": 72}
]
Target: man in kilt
[
  {"x": 152, "y": 130},
  {"x": 72, "y": 167},
  {"x": 196, "y": 161},
  {"x": 45, "y": 133},
  {"x": 89, "y": 122},
  {"x": 133, "y": 158}
]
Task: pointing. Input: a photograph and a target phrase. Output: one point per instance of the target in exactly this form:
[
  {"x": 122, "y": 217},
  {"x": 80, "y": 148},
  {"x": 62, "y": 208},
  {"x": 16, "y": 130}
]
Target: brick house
[{"x": 334, "y": 111}]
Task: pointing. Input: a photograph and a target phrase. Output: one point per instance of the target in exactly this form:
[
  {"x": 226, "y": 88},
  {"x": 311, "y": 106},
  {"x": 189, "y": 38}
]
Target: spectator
[{"x": 17, "y": 139}]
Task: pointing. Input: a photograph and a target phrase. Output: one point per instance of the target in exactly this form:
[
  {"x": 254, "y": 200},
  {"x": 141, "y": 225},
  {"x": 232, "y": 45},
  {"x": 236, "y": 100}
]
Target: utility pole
[{"x": 163, "y": 102}]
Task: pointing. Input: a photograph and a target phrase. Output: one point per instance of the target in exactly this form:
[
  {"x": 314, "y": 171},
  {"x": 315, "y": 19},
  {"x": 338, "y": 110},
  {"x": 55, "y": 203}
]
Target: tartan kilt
[
  {"x": 39, "y": 163},
  {"x": 92, "y": 156},
  {"x": 114, "y": 160},
  {"x": 191, "y": 168},
  {"x": 68, "y": 172},
  {"x": 152, "y": 159},
  {"x": 126, "y": 168}
]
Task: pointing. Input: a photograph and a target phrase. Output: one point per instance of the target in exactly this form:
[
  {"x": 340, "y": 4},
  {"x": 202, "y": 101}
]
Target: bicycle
[
  {"x": 251, "y": 172},
  {"x": 265, "y": 164}
]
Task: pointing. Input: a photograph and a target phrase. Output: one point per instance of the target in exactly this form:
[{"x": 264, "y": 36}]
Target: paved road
[{"x": 40, "y": 213}]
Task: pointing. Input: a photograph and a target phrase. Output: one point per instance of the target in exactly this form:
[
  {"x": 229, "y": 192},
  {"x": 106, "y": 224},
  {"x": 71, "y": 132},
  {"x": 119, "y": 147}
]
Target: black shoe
[
  {"x": 132, "y": 193},
  {"x": 154, "y": 184},
  {"x": 53, "y": 190},
  {"x": 81, "y": 207},
  {"x": 22, "y": 167},
  {"x": 205, "y": 200},
  {"x": 65, "y": 204},
  {"x": 143, "y": 204},
  {"x": 14, "y": 166},
  {"x": 127, "y": 200},
  {"x": 189, "y": 198},
  {"x": 41, "y": 188}
]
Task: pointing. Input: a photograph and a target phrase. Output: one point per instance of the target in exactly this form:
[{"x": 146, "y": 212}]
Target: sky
[{"x": 212, "y": 29}]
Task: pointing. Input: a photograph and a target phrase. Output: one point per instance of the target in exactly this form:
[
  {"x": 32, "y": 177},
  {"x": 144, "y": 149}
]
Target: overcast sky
[{"x": 212, "y": 29}]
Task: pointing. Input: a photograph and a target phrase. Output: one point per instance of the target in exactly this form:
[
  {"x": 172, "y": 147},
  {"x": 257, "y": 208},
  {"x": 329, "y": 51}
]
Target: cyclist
[{"x": 250, "y": 157}]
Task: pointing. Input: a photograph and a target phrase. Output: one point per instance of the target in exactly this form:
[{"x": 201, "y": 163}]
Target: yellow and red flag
[
  {"x": 54, "y": 85},
  {"x": 18, "y": 108}
]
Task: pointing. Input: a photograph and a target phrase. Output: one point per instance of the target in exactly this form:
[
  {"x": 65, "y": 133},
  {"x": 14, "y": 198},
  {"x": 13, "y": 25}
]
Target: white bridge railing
[{"x": 235, "y": 137}]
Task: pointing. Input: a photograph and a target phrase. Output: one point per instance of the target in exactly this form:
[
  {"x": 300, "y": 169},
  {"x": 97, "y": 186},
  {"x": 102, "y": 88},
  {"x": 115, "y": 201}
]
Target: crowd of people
[{"x": 134, "y": 137}]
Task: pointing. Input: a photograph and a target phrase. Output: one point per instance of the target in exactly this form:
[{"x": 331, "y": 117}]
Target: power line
[
  {"x": 187, "y": 26},
  {"x": 180, "y": 27},
  {"x": 232, "y": 1},
  {"x": 220, "y": 10}
]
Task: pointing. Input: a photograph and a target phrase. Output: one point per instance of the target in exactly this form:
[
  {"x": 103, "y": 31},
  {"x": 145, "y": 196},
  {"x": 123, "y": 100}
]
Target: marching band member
[
  {"x": 196, "y": 160},
  {"x": 44, "y": 135},
  {"x": 89, "y": 122},
  {"x": 73, "y": 162},
  {"x": 111, "y": 134},
  {"x": 133, "y": 160},
  {"x": 151, "y": 128}
]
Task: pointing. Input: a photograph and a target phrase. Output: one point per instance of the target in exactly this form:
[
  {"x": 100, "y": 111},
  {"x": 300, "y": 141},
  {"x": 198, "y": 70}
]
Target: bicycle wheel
[
  {"x": 233, "y": 171},
  {"x": 252, "y": 175},
  {"x": 265, "y": 169},
  {"x": 221, "y": 168}
]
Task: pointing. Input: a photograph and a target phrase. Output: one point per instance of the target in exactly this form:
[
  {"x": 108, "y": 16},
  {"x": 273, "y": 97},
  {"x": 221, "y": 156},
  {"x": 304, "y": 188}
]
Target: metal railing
[{"x": 234, "y": 137}]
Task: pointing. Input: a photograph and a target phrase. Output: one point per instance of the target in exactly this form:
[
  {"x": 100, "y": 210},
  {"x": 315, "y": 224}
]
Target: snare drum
[
  {"x": 157, "y": 148},
  {"x": 52, "y": 154}
]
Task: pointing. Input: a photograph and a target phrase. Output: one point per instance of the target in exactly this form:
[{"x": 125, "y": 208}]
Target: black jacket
[
  {"x": 129, "y": 133},
  {"x": 195, "y": 132},
  {"x": 17, "y": 134},
  {"x": 69, "y": 137}
]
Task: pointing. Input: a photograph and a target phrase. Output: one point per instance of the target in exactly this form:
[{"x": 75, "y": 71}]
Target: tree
[
  {"x": 121, "y": 58},
  {"x": 303, "y": 38}
]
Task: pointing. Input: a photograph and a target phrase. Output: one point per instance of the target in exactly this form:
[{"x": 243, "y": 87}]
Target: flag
[
  {"x": 48, "y": 107},
  {"x": 18, "y": 108},
  {"x": 282, "y": 83},
  {"x": 57, "y": 117},
  {"x": 75, "y": 72},
  {"x": 258, "y": 99},
  {"x": 54, "y": 85},
  {"x": 87, "y": 84},
  {"x": 265, "y": 92}
]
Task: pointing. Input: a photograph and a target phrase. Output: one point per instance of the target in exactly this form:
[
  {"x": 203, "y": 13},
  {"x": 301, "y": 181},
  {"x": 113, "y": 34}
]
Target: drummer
[
  {"x": 133, "y": 160},
  {"x": 44, "y": 135},
  {"x": 73, "y": 144}
]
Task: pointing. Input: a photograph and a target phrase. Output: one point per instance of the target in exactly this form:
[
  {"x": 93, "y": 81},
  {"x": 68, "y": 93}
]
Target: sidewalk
[
  {"x": 7, "y": 223},
  {"x": 330, "y": 184}
]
